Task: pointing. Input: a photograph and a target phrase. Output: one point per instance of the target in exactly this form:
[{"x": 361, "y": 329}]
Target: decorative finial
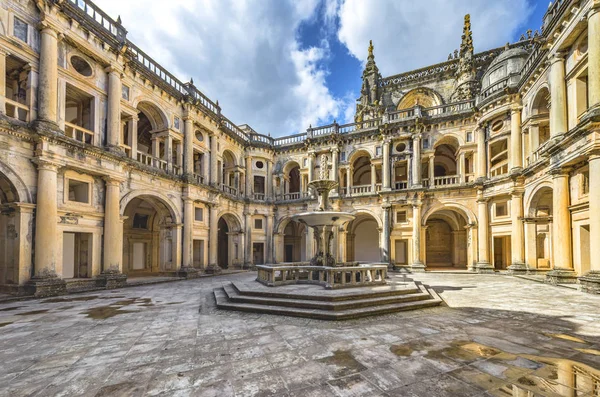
[
  {"x": 119, "y": 20},
  {"x": 191, "y": 80},
  {"x": 370, "y": 48},
  {"x": 507, "y": 46}
]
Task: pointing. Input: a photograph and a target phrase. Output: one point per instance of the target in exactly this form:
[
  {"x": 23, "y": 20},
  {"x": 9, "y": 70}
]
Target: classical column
[
  {"x": 386, "y": 166},
  {"x": 3, "y": 55},
  {"x": 113, "y": 114},
  {"x": 562, "y": 272},
  {"x": 349, "y": 180},
  {"x": 558, "y": 95},
  {"x": 48, "y": 76},
  {"x": 270, "y": 220},
  {"x": 516, "y": 150},
  {"x": 188, "y": 233},
  {"x": 417, "y": 260},
  {"x": 113, "y": 227},
  {"x": 269, "y": 186},
  {"x": 594, "y": 56},
  {"x": 517, "y": 239},
  {"x": 431, "y": 171},
  {"x": 213, "y": 241},
  {"x": 311, "y": 166},
  {"x": 248, "y": 249},
  {"x": 169, "y": 152},
  {"x": 188, "y": 146},
  {"x": 249, "y": 177},
  {"x": 481, "y": 154},
  {"x": 416, "y": 161},
  {"x": 133, "y": 138},
  {"x": 373, "y": 177},
  {"x": 214, "y": 173},
  {"x": 461, "y": 168},
  {"x": 590, "y": 282},
  {"x": 310, "y": 243},
  {"x": 385, "y": 240},
  {"x": 483, "y": 235}
]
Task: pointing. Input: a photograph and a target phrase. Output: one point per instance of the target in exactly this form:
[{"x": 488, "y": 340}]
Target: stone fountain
[{"x": 323, "y": 220}]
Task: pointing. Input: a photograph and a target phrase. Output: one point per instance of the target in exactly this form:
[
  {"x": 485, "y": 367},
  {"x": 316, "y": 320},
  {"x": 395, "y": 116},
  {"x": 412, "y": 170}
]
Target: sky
[{"x": 283, "y": 65}]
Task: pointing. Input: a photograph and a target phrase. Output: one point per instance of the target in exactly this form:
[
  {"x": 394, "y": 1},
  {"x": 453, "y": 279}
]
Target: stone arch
[
  {"x": 356, "y": 153},
  {"x": 540, "y": 101},
  {"x": 448, "y": 139},
  {"x": 540, "y": 197},
  {"x": 446, "y": 237},
  {"x": 233, "y": 221},
  {"x": 12, "y": 186},
  {"x": 157, "y": 117},
  {"x": 364, "y": 211},
  {"x": 290, "y": 165},
  {"x": 534, "y": 193},
  {"x": 156, "y": 198},
  {"x": 422, "y": 96},
  {"x": 459, "y": 208},
  {"x": 229, "y": 156},
  {"x": 363, "y": 238}
]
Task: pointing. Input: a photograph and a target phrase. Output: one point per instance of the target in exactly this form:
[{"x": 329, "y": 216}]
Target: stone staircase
[{"x": 315, "y": 302}]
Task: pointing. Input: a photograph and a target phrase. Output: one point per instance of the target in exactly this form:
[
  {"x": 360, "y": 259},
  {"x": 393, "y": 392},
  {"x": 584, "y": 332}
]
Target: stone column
[
  {"x": 516, "y": 150},
  {"x": 169, "y": 152},
  {"x": 385, "y": 243},
  {"x": 517, "y": 242},
  {"x": 562, "y": 272},
  {"x": 249, "y": 177},
  {"x": 590, "y": 282},
  {"x": 214, "y": 172},
  {"x": 373, "y": 177},
  {"x": 113, "y": 114},
  {"x": 431, "y": 171},
  {"x": 349, "y": 181},
  {"x": 594, "y": 57},
  {"x": 311, "y": 166},
  {"x": 45, "y": 281},
  {"x": 133, "y": 138},
  {"x": 248, "y": 222},
  {"x": 270, "y": 220},
  {"x": 213, "y": 241},
  {"x": 188, "y": 146},
  {"x": 481, "y": 154},
  {"x": 483, "y": 235},
  {"x": 188, "y": 233},
  {"x": 558, "y": 95},
  {"x": 269, "y": 192},
  {"x": 461, "y": 168},
  {"x": 3, "y": 55},
  {"x": 48, "y": 76},
  {"x": 385, "y": 171},
  {"x": 416, "y": 161},
  {"x": 417, "y": 260}
]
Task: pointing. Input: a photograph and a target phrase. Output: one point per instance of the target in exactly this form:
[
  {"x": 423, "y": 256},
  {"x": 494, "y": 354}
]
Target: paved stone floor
[{"x": 499, "y": 336}]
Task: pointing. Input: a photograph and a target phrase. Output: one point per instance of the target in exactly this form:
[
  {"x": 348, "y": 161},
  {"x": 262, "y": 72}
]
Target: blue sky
[{"x": 281, "y": 65}]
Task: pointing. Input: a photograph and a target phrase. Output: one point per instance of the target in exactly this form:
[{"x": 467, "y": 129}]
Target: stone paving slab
[{"x": 499, "y": 336}]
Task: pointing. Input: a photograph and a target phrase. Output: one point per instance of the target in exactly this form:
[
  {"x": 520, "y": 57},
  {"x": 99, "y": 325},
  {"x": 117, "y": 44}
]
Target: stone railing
[
  {"x": 446, "y": 180},
  {"x": 141, "y": 59},
  {"x": 16, "y": 110},
  {"x": 329, "y": 277},
  {"x": 259, "y": 138},
  {"x": 292, "y": 196},
  {"x": 469, "y": 178},
  {"x": 259, "y": 196},
  {"x": 361, "y": 189},
  {"x": 404, "y": 114},
  {"x": 289, "y": 140},
  {"x": 91, "y": 13},
  {"x": 321, "y": 131},
  {"x": 234, "y": 129},
  {"x": 199, "y": 179},
  {"x": 450, "y": 109},
  {"x": 401, "y": 185},
  {"x": 229, "y": 189},
  {"x": 79, "y": 133}
]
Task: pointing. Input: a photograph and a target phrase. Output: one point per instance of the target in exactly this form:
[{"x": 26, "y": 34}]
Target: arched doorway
[
  {"x": 150, "y": 236},
  {"x": 223, "y": 244},
  {"x": 538, "y": 230},
  {"x": 446, "y": 240},
  {"x": 294, "y": 241},
  {"x": 10, "y": 232},
  {"x": 363, "y": 243}
]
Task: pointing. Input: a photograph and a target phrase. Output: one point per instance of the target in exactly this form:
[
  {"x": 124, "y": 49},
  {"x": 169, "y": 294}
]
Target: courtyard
[{"x": 497, "y": 336}]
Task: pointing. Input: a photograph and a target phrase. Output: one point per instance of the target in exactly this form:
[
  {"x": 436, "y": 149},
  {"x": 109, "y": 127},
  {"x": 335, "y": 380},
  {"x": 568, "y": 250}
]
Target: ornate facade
[{"x": 111, "y": 166}]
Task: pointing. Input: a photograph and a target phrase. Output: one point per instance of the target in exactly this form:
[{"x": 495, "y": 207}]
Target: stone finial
[
  {"x": 371, "y": 48},
  {"x": 467, "y": 37},
  {"x": 191, "y": 81},
  {"x": 119, "y": 20}
]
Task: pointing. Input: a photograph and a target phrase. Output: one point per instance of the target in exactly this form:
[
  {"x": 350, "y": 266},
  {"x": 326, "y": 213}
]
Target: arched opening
[
  {"x": 229, "y": 172},
  {"x": 10, "y": 220},
  {"x": 154, "y": 145},
  {"x": 223, "y": 236},
  {"x": 294, "y": 241},
  {"x": 363, "y": 239},
  {"x": 149, "y": 237},
  {"x": 539, "y": 132},
  {"x": 419, "y": 97},
  {"x": 294, "y": 179},
  {"x": 446, "y": 239},
  {"x": 362, "y": 174},
  {"x": 538, "y": 229}
]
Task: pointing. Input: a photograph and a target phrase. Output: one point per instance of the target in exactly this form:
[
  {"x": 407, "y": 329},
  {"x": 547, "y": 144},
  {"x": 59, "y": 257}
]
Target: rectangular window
[
  {"x": 140, "y": 221},
  {"x": 258, "y": 224},
  {"x": 401, "y": 217},
  {"x": 469, "y": 137},
  {"x": 79, "y": 191},
  {"x": 378, "y": 151},
  {"x": 585, "y": 183},
  {"x": 343, "y": 156},
  {"x": 125, "y": 92},
  {"x": 176, "y": 122},
  {"x": 199, "y": 214},
  {"x": 20, "y": 30},
  {"x": 426, "y": 143},
  {"x": 501, "y": 209}
]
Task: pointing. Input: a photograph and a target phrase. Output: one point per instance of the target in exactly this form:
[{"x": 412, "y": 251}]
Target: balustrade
[
  {"x": 425, "y": 182},
  {"x": 292, "y": 196},
  {"x": 199, "y": 179},
  {"x": 500, "y": 170},
  {"x": 469, "y": 178},
  {"x": 289, "y": 140},
  {"x": 445, "y": 180},
  {"x": 401, "y": 185},
  {"x": 16, "y": 110},
  {"x": 79, "y": 133},
  {"x": 361, "y": 189},
  {"x": 229, "y": 189},
  {"x": 259, "y": 196}
]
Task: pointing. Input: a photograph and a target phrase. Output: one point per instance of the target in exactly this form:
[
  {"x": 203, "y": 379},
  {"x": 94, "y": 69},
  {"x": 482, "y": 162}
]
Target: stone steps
[{"x": 230, "y": 298}]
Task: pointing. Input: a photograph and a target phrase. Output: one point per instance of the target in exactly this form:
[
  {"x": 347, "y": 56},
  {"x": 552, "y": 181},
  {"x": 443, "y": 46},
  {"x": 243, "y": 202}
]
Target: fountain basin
[{"x": 323, "y": 218}]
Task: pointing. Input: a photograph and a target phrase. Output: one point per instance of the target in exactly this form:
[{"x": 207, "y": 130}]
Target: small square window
[
  {"x": 426, "y": 143},
  {"x": 585, "y": 182},
  {"x": 378, "y": 151},
  {"x": 176, "y": 122},
  {"x": 501, "y": 209},
  {"x": 343, "y": 156},
  {"x": 20, "y": 30},
  {"x": 305, "y": 162},
  {"x": 79, "y": 191},
  {"x": 469, "y": 137},
  {"x": 258, "y": 224},
  {"x": 199, "y": 214},
  {"x": 125, "y": 92},
  {"x": 401, "y": 217},
  {"x": 140, "y": 221}
]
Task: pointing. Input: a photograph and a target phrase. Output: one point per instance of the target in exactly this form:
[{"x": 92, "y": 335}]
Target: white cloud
[
  {"x": 243, "y": 53},
  {"x": 412, "y": 34}
]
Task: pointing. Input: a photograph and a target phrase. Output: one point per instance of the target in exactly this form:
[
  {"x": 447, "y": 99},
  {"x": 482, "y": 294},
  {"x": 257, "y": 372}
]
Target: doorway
[
  {"x": 77, "y": 250},
  {"x": 258, "y": 253},
  {"x": 289, "y": 253},
  {"x": 223, "y": 237},
  {"x": 198, "y": 249},
  {"x": 502, "y": 253},
  {"x": 401, "y": 252}
]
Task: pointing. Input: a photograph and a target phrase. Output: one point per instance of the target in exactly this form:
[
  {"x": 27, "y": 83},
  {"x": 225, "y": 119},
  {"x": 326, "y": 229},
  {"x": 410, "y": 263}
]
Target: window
[
  {"x": 260, "y": 165},
  {"x": 400, "y": 147},
  {"x": 469, "y": 137},
  {"x": 585, "y": 183},
  {"x": 176, "y": 122},
  {"x": 305, "y": 162},
  {"x": 79, "y": 191},
  {"x": 497, "y": 125},
  {"x": 20, "y": 30},
  {"x": 140, "y": 221},
  {"x": 426, "y": 143},
  {"x": 199, "y": 136},
  {"x": 343, "y": 156},
  {"x": 125, "y": 92},
  {"x": 199, "y": 214},
  {"x": 81, "y": 66},
  {"x": 401, "y": 217},
  {"x": 258, "y": 224},
  {"x": 501, "y": 209},
  {"x": 378, "y": 151}
]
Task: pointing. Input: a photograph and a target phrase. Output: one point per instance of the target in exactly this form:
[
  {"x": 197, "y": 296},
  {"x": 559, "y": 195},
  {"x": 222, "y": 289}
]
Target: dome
[{"x": 506, "y": 66}]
